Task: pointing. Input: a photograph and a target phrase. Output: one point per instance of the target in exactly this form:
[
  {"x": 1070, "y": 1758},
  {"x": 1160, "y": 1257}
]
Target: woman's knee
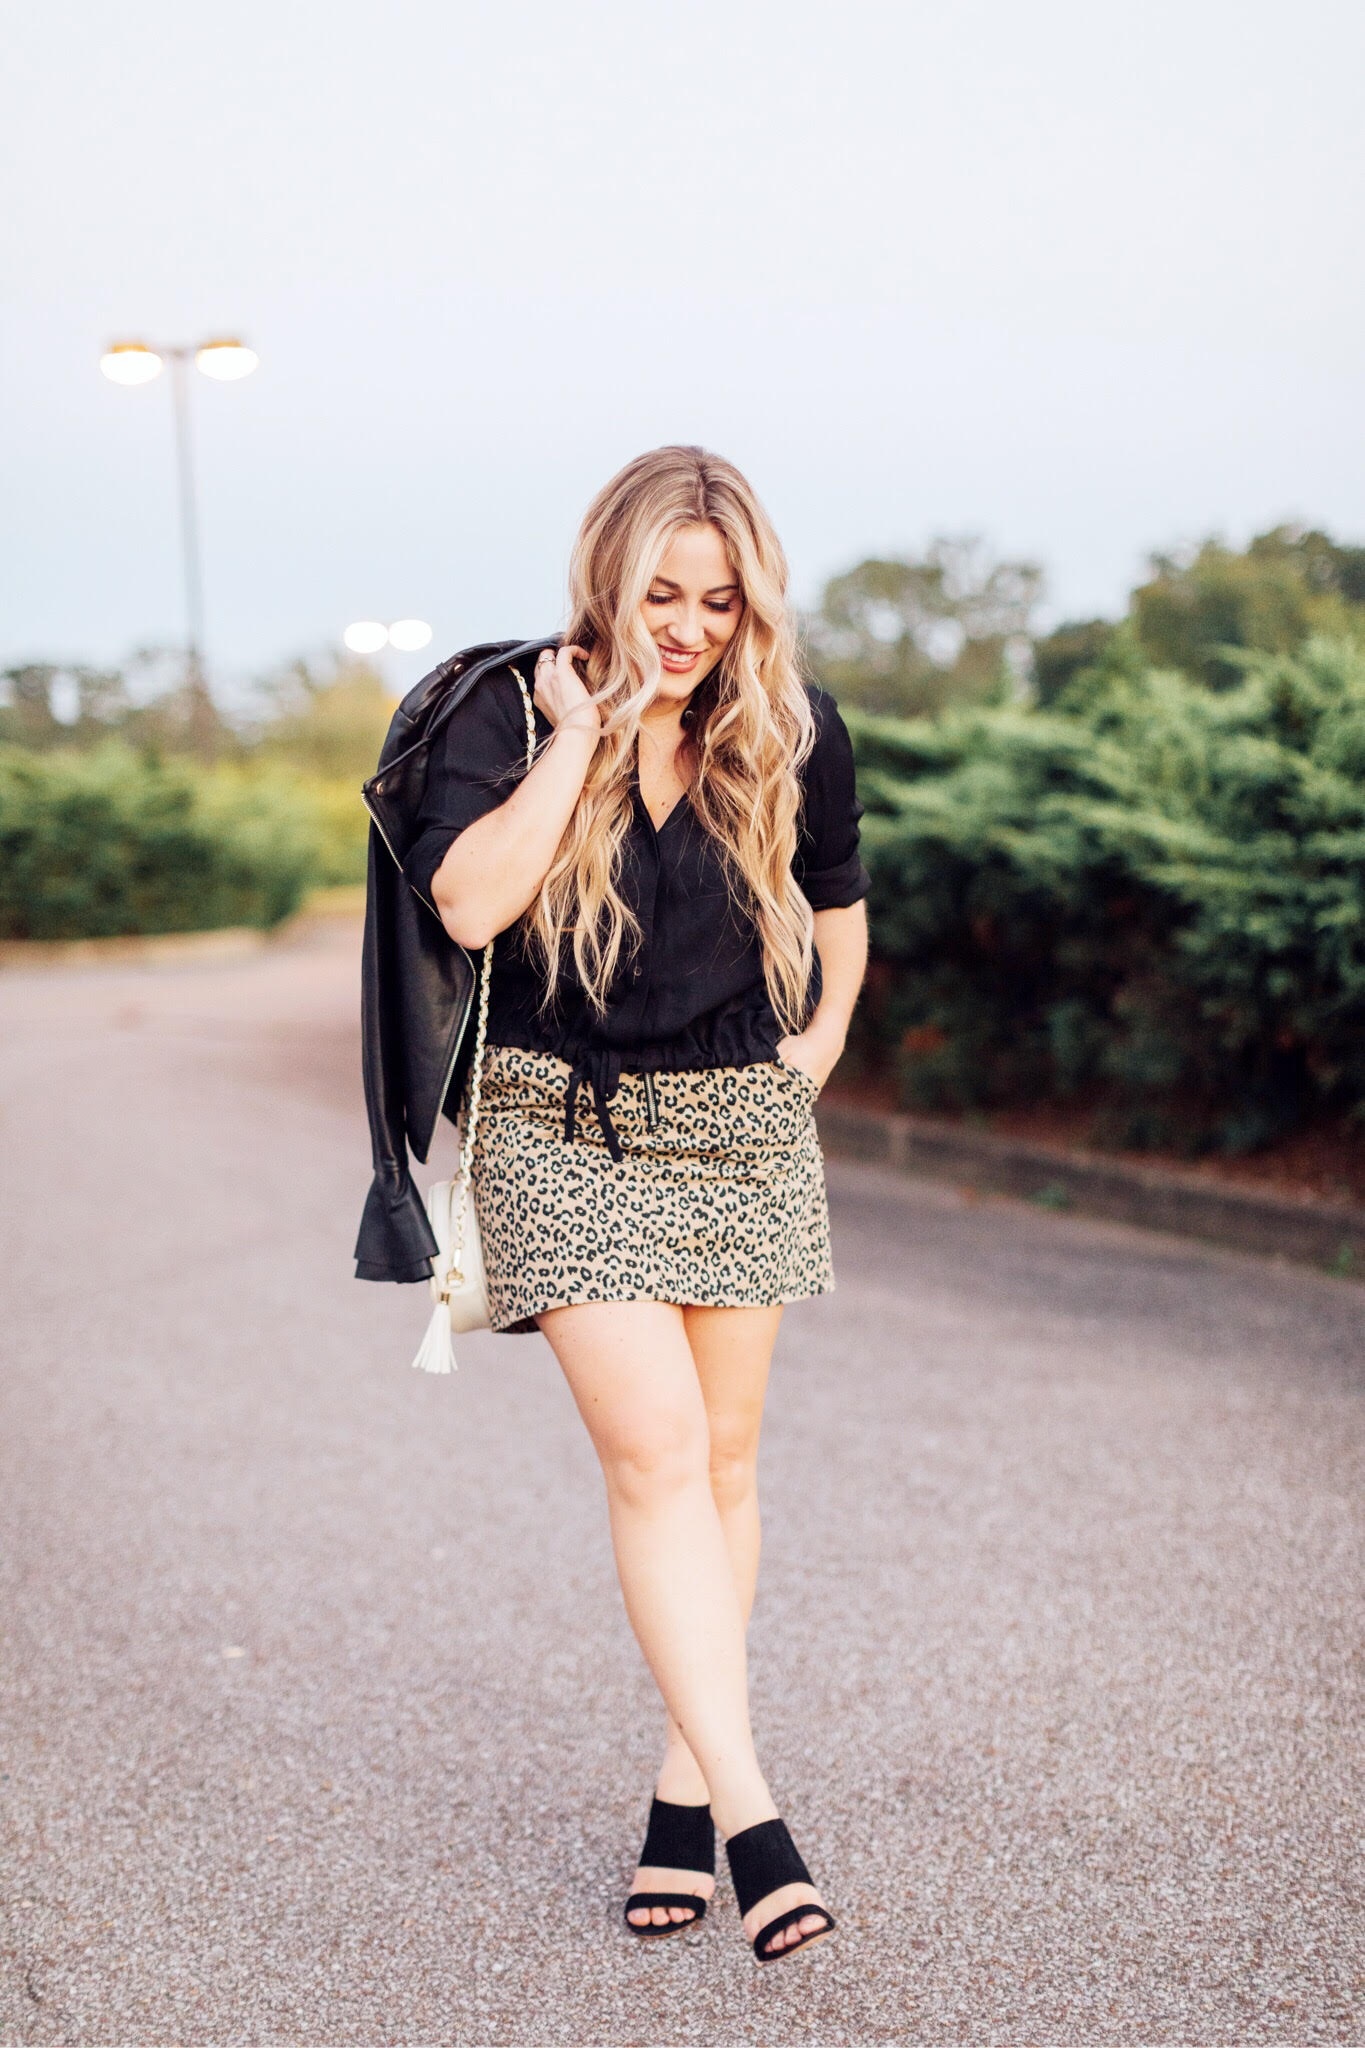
[
  {"x": 733, "y": 1471},
  {"x": 654, "y": 1456}
]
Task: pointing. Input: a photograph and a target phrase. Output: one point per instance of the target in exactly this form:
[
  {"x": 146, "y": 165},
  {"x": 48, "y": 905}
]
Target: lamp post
[
  {"x": 135, "y": 362},
  {"x": 367, "y": 636}
]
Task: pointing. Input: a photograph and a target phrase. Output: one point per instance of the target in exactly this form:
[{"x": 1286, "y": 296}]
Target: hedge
[
  {"x": 105, "y": 843},
  {"x": 1149, "y": 894}
]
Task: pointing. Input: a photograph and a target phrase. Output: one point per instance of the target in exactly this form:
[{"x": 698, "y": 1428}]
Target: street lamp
[
  {"x": 409, "y": 636},
  {"x": 367, "y": 636},
  {"x": 225, "y": 360}
]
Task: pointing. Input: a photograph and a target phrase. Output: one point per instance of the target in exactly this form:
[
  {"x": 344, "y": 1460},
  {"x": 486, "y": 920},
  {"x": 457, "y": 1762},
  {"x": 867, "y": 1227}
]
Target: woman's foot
[
  {"x": 650, "y": 1877},
  {"x": 808, "y": 1927},
  {"x": 780, "y": 1907},
  {"x": 675, "y": 1878}
]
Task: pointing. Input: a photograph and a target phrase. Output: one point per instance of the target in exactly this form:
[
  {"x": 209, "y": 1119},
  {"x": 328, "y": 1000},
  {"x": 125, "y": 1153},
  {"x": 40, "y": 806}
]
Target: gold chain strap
[{"x": 460, "y": 1183}]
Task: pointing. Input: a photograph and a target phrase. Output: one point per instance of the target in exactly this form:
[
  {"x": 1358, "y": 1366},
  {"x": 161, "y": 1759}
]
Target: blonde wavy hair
[{"x": 751, "y": 727}]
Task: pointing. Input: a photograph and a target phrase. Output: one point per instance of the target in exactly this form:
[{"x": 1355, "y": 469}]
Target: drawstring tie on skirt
[{"x": 600, "y": 1067}]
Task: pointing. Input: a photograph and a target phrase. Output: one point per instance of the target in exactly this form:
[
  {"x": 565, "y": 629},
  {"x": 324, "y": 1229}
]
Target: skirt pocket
[{"x": 798, "y": 1074}]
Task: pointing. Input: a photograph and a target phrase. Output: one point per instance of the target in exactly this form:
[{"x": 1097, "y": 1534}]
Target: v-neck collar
[{"x": 680, "y": 803}]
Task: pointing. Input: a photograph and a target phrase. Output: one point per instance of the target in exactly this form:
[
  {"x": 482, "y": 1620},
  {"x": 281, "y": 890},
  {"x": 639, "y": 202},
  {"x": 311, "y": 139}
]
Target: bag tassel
[{"x": 437, "y": 1352}]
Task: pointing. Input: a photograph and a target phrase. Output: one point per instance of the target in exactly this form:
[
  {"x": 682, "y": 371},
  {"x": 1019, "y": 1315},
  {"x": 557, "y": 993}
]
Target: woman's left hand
[
  {"x": 841, "y": 942},
  {"x": 812, "y": 1051}
]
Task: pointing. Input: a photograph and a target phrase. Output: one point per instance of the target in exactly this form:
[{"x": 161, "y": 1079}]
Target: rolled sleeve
[
  {"x": 828, "y": 865},
  {"x": 475, "y": 763}
]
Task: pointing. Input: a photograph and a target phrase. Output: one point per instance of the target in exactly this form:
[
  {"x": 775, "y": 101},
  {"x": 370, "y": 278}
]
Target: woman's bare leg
[
  {"x": 631, "y": 1372},
  {"x": 732, "y": 1349},
  {"x": 633, "y": 1375}
]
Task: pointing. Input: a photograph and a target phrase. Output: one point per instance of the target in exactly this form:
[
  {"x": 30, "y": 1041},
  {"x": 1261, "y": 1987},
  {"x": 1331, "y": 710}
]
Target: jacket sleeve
[
  {"x": 396, "y": 1241},
  {"x": 476, "y": 761},
  {"x": 828, "y": 866}
]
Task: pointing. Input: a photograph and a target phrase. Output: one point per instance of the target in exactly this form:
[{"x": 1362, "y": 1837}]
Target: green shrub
[
  {"x": 1147, "y": 892},
  {"x": 327, "y": 723},
  {"x": 108, "y": 842},
  {"x": 339, "y": 826}
]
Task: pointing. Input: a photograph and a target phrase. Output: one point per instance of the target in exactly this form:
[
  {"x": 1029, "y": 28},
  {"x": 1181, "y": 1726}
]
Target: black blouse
[{"x": 692, "y": 993}]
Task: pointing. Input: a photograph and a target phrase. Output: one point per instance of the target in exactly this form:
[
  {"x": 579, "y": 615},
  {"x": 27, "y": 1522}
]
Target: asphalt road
[{"x": 321, "y": 1721}]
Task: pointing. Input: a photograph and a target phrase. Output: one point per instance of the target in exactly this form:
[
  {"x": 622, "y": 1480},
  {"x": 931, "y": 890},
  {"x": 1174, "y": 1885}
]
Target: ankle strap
[
  {"x": 762, "y": 1858},
  {"x": 679, "y": 1838}
]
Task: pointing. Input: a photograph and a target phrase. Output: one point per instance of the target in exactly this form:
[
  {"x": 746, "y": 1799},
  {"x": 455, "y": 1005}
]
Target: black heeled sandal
[
  {"x": 762, "y": 1859},
  {"x": 678, "y": 1838}
]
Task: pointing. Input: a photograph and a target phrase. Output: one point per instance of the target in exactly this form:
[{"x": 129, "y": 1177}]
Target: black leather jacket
[{"x": 417, "y": 985}]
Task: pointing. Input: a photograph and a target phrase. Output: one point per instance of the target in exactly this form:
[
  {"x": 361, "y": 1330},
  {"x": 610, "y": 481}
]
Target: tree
[
  {"x": 151, "y": 704},
  {"x": 1200, "y": 609},
  {"x": 909, "y": 635},
  {"x": 1324, "y": 564},
  {"x": 328, "y": 720},
  {"x": 49, "y": 704},
  {"x": 1075, "y": 645}
]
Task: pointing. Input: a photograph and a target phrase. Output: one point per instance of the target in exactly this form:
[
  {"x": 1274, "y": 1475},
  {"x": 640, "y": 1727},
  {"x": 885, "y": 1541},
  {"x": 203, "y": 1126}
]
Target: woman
[{"x": 679, "y": 882}]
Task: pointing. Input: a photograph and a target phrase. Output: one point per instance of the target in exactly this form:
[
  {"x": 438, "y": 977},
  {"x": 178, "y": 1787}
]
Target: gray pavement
[{"x": 321, "y": 1722}]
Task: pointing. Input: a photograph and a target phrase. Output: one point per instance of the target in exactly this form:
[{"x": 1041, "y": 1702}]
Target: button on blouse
[{"x": 692, "y": 993}]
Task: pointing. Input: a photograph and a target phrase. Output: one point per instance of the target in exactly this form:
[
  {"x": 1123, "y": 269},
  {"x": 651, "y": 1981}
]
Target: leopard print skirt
[{"x": 718, "y": 1199}]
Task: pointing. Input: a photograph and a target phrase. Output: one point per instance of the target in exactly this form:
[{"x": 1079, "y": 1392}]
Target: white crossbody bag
[{"x": 457, "y": 1275}]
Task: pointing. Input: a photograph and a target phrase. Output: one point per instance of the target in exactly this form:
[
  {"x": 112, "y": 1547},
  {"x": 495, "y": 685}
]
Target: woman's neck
[{"x": 662, "y": 727}]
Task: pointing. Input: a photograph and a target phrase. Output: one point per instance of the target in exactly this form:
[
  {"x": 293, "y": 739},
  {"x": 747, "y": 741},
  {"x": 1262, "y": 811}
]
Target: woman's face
[{"x": 692, "y": 609}]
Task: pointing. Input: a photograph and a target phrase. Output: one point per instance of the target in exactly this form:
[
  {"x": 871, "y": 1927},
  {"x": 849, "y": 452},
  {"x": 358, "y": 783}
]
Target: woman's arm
[
  {"x": 841, "y": 942},
  {"x": 494, "y": 869}
]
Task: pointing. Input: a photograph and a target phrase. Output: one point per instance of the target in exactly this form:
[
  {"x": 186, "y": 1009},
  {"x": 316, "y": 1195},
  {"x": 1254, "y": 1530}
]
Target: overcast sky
[{"x": 1084, "y": 278}]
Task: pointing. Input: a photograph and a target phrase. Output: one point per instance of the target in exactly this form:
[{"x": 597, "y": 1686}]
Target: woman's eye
[
  {"x": 728, "y": 605},
  {"x": 656, "y": 597}
]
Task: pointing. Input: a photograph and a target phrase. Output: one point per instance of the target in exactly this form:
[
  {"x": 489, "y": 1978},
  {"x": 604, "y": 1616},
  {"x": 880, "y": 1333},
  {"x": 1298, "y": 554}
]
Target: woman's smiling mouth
[{"x": 677, "y": 660}]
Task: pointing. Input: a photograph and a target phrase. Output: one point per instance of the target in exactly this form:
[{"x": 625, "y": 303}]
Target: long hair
[{"x": 751, "y": 726}]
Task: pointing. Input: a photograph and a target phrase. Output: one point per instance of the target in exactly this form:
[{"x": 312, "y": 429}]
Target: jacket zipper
[
  {"x": 451, "y": 1064},
  {"x": 651, "y": 1101},
  {"x": 375, "y": 821}
]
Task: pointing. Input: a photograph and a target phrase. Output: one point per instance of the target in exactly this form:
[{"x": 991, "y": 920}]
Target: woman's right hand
[
  {"x": 561, "y": 692},
  {"x": 495, "y": 867}
]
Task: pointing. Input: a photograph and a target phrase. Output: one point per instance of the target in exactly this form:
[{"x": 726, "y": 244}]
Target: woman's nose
[{"x": 689, "y": 626}]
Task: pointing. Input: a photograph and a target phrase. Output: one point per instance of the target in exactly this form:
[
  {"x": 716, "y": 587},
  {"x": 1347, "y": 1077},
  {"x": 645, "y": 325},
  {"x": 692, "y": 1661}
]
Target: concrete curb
[
  {"x": 1328, "y": 1235},
  {"x": 162, "y": 949}
]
